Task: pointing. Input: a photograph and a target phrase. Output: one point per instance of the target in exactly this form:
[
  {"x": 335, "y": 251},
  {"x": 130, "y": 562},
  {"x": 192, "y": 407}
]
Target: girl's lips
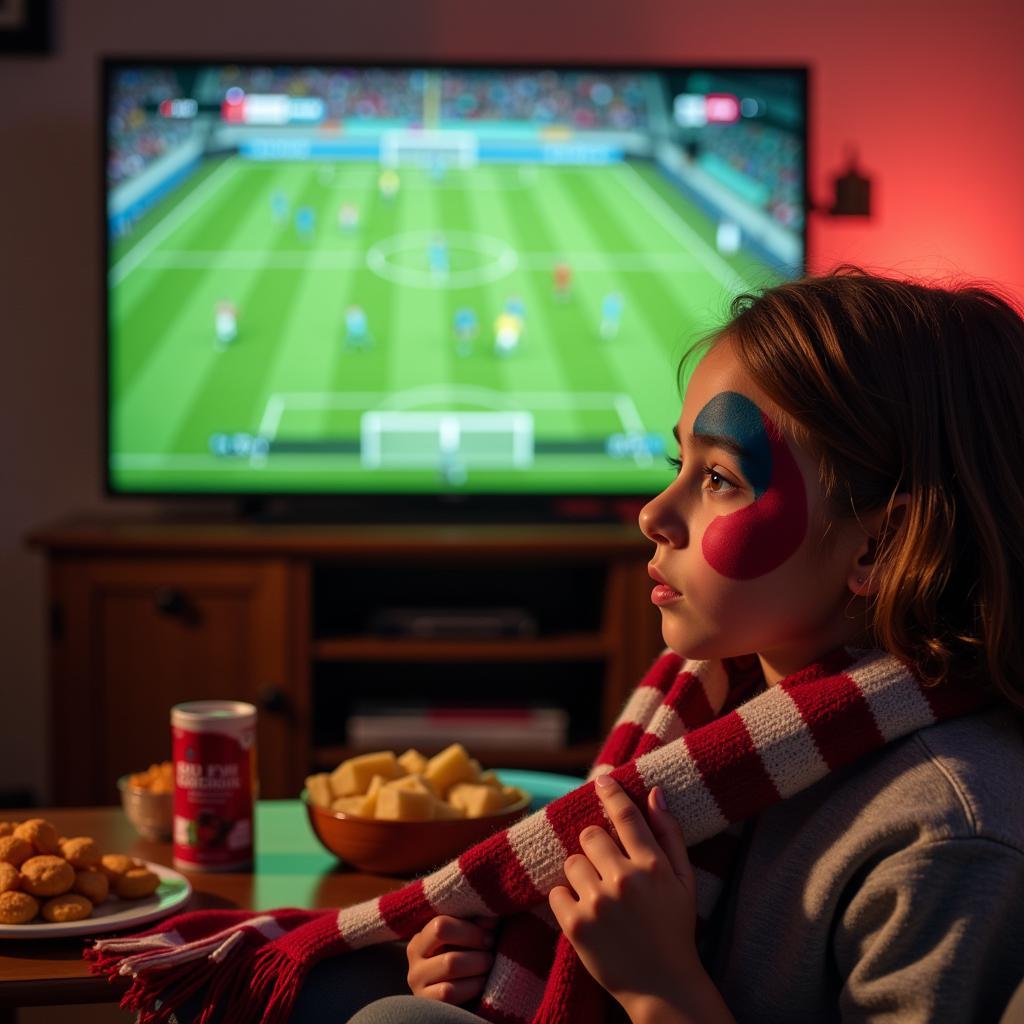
[{"x": 664, "y": 594}]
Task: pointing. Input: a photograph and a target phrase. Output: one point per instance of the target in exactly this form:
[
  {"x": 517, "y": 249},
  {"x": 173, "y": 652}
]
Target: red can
[{"x": 214, "y": 745}]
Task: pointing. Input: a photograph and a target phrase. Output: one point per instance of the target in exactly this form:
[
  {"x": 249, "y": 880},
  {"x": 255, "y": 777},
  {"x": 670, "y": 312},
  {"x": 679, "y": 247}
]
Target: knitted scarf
[{"x": 721, "y": 745}]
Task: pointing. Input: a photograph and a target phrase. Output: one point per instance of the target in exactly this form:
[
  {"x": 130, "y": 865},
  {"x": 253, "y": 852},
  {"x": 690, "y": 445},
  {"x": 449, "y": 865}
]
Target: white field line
[
  {"x": 664, "y": 213},
  {"x": 161, "y": 230},
  {"x": 622, "y": 403},
  {"x": 620, "y": 262}
]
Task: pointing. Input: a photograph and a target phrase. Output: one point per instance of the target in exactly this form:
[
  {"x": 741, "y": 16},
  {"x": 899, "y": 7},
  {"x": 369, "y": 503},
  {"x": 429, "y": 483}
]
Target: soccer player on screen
[
  {"x": 225, "y": 323},
  {"x": 357, "y": 329},
  {"x": 562, "y": 279},
  {"x": 387, "y": 184},
  {"x": 516, "y": 307},
  {"x": 467, "y": 327},
  {"x": 437, "y": 258},
  {"x": 611, "y": 315},
  {"x": 507, "y": 329},
  {"x": 348, "y": 218},
  {"x": 279, "y": 207},
  {"x": 305, "y": 221}
]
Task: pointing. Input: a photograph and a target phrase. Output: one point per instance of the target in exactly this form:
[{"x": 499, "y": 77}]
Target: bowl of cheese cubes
[{"x": 403, "y": 814}]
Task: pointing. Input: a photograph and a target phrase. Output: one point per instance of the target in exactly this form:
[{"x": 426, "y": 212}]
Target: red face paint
[{"x": 761, "y": 536}]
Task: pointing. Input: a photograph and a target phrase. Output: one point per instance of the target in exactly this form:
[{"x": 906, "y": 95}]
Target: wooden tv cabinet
[{"x": 144, "y": 615}]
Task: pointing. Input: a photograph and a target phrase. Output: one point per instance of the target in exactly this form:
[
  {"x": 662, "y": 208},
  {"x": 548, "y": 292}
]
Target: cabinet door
[{"x": 137, "y": 636}]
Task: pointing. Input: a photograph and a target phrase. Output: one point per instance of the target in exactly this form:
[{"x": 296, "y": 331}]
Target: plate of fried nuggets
[{"x": 53, "y": 885}]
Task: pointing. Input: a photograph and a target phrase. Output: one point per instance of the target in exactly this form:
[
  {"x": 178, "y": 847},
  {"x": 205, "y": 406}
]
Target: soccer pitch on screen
[{"x": 292, "y": 395}]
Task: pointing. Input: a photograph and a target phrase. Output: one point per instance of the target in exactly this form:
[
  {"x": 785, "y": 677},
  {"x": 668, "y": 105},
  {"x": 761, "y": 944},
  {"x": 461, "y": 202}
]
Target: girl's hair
[{"x": 903, "y": 386}]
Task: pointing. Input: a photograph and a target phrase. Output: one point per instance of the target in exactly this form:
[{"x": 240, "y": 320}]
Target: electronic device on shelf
[{"x": 425, "y": 290}]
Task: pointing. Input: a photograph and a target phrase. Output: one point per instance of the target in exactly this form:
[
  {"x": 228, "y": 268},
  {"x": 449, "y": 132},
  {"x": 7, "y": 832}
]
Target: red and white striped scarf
[{"x": 721, "y": 746}]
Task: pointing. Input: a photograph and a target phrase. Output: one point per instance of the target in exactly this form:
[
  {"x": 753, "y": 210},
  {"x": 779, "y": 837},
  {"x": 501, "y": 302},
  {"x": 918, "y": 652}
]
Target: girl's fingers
[
  {"x": 669, "y": 834},
  {"x": 445, "y": 931},
  {"x": 633, "y": 831},
  {"x": 562, "y": 903},
  {"x": 457, "y": 964},
  {"x": 455, "y": 992},
  {"x": 580, "y": 873},
  {"x": 601, "y": 850}
]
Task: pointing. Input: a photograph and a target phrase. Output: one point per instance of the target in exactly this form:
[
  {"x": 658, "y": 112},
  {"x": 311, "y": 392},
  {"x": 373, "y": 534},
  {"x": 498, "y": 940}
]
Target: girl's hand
[
  {"x": 631, "y": 914},
  {"x": 450, "y": 958}
]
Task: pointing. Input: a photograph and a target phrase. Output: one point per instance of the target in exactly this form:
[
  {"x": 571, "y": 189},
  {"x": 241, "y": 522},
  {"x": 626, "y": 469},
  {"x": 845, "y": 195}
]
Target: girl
[{"x": 839, "y": 570}]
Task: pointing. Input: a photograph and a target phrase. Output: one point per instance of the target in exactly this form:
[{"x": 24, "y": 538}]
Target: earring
[{"x": 860, "y": 579}]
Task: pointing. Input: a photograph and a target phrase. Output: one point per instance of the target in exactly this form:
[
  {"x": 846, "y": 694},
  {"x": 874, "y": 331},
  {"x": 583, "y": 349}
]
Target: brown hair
[{"x": 904, "y": 386}]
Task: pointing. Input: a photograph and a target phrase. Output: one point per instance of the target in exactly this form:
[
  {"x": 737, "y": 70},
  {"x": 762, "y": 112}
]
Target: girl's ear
[{"x": 865, "y": 573}]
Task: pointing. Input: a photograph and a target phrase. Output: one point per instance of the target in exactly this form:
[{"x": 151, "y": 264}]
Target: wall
[{"x": 927, "y": 92}]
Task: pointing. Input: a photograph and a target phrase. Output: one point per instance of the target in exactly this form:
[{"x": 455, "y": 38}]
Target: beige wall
[{"x": 928, "y": 92}]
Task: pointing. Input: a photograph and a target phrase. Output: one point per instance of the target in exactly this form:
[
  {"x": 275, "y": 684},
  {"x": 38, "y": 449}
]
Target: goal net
[
  {"x": 428, "y": 148},
  {"x": 417, "y": 440}
]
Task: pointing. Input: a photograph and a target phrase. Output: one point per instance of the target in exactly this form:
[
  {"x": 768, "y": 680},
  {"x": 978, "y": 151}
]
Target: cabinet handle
[
  {"x": 170, "y": 601},
  {"x": 275, "y": 701}
]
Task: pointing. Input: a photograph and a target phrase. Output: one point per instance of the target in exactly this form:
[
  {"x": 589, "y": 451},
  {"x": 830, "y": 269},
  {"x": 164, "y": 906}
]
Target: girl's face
[{"x": 739, "y": 533}]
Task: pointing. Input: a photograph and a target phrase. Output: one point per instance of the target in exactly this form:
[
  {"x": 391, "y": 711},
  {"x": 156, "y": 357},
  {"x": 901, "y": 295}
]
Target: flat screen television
[{"x": 421, "y": 286}]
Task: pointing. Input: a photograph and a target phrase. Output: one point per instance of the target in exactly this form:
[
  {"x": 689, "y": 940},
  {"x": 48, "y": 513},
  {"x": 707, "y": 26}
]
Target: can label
[{"x": 214, "y": 776}]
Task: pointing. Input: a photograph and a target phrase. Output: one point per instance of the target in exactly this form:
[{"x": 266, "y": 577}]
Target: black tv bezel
[{"x": 383, "y": 506}]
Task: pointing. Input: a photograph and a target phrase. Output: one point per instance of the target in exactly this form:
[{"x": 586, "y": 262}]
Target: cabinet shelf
[{"x": 557, "y": 648}]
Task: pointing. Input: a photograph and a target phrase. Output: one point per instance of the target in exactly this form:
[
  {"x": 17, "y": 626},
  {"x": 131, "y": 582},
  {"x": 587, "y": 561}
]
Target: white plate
[{"x": 113, "y": 913}]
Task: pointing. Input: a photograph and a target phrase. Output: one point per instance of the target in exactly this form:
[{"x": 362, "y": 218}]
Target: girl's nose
[{"x": 661, "y": 521}]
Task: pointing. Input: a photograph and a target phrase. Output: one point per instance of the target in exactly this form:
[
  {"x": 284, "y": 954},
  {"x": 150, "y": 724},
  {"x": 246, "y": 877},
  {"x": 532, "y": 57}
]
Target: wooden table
[{"x": 291, "y": 869}]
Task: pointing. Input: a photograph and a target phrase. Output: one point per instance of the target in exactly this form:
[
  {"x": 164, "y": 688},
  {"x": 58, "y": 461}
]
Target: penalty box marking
[{"x": 622, "y": 403}]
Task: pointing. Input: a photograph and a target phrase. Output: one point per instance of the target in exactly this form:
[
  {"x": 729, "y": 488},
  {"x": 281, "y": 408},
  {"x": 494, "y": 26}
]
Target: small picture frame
[{"x": 24, "y": 26}]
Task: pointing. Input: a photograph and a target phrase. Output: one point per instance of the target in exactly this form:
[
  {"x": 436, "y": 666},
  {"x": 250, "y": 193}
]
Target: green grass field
[{"x": 289, "y": 378}]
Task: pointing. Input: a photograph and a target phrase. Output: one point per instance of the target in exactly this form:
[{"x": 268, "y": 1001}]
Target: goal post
[
  {"x": 418, "y": 440},
  {"x": 428, "y": 148}
]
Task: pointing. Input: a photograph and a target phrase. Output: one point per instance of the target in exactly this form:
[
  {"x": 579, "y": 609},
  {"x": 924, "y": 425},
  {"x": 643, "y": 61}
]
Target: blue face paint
[
  {"x": 759, "y": 537},
  {"x": 734, "y": 417}
]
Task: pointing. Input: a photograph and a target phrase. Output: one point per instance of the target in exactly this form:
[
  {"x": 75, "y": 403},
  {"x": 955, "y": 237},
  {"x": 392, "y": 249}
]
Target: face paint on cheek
[{"x": 758, "y": 538}]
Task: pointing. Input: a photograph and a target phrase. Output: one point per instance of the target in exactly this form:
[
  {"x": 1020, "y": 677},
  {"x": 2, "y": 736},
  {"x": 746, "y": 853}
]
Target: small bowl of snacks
[
  {"x": 148, "y": 800},
  {"x": 403, "y": 815}
]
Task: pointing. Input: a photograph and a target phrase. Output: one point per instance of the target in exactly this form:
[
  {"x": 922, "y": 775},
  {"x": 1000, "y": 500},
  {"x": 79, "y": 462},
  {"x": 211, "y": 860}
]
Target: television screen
[{"x": 445, "y": 280}]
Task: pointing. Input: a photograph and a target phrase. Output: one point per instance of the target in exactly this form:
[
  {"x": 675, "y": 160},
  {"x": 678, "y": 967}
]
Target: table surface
[{"x": 291, "y": 869}]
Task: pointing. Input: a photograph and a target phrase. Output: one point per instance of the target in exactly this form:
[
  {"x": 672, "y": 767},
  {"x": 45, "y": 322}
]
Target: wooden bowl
[{"x": 404, "y": 847}]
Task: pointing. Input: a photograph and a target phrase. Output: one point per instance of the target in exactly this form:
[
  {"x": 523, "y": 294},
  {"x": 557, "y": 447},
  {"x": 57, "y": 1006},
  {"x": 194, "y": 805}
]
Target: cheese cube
[
  {"x": 370, "y": 804},
  {"x": 318, "y": 789},
  {"x": 512, "y": 794},
  {"x": 398, "y": 804},
  {"x": 413, "y": 762},
  {"x": 444, "y": 810},
  {"x": 353, "y": 775},
  {"x": 351, "y": 805},
  {"x": 476, "y": 800},
  {"x": 489, "y": 778},
  {"x": 449, "y": 767},
  {"x": 413, "y": 783}
]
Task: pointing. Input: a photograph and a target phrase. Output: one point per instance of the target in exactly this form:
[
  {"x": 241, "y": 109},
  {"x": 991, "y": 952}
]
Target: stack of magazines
[{"x": 541, "y": 728}]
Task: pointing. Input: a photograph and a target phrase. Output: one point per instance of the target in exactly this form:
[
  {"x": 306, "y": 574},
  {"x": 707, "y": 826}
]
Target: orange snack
[
  {"x": 114, "y": 865},
  {"x": 46, "y": 875},
  {"x": 69, "y": 907},
  {"x": 157, "y": 778},
  {"x": 6, "y": 828},
  {"x": 136, "y": 884},
  {"x": 92, "y": 884},
  {"x": 80, "y": 852},
  {"x": 14, "y": 850},
  {"x": 10, "y": 879},
  {"x": 17, "y": 907},
  {"x": 40, "y": 833}
]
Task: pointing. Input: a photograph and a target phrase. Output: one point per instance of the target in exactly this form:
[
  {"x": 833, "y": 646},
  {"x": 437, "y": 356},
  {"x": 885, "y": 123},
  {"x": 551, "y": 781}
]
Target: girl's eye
[
  {"x": 716, "y": 483},
  {"x": 676, "y": 464}
]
